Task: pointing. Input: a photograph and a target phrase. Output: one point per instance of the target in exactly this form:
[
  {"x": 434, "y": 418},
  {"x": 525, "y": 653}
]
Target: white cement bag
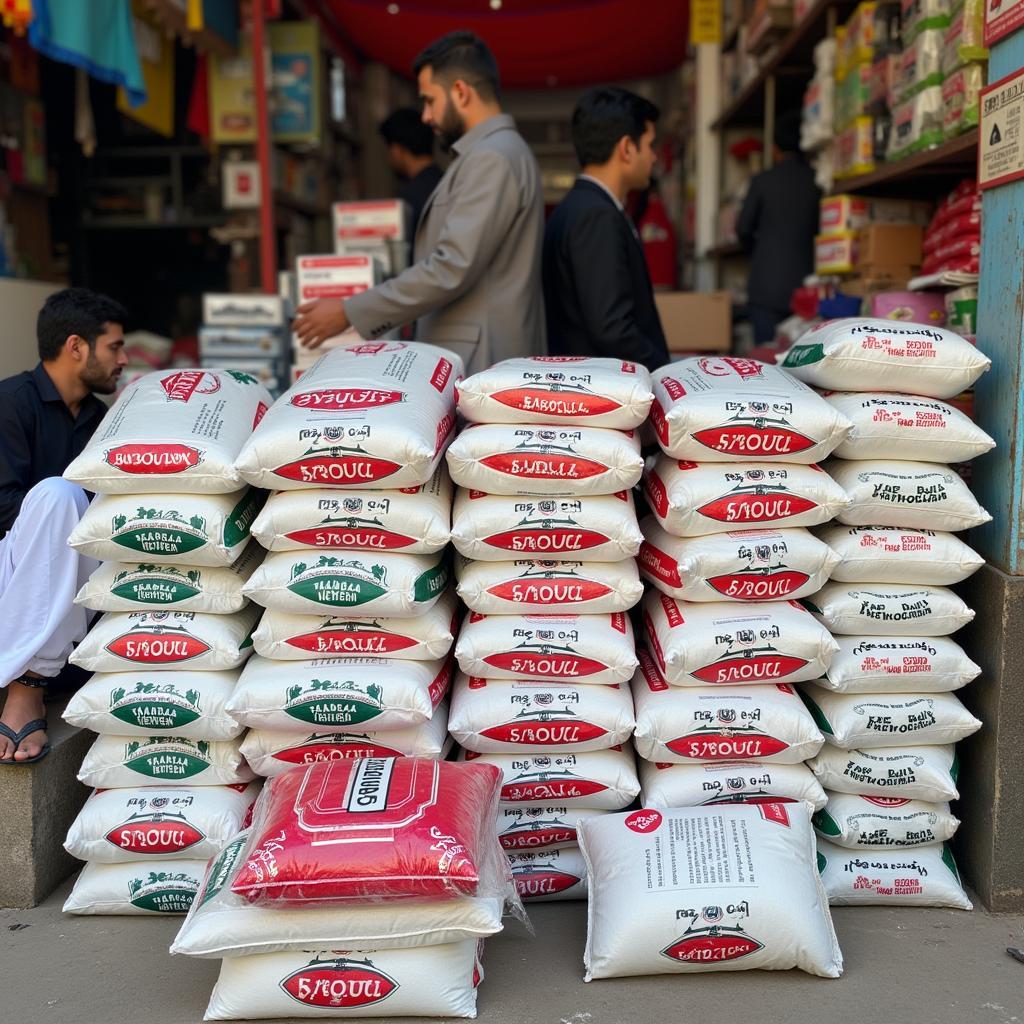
[
  {"x": 602, "y": 779},
  {"x": 191, "y": 704},
  {"x": 724, "y": 409},
  {"x": 725, "y": 643},
  {"x": 548, "y": 588},
  {"x": 546, "y": 876},
  {"x": 125, "y": 641},
  {"x": 415, "y": 520},
  {"x": 168, "y": 529},
  {"x": 173, "y": 430},
  {"x": 339, "y": 694},
  {"x": 889, "y": 609},
  {"x": 498, "y": 527},
  {"x": 679, "y": 725},
  {"x": 566, "y": 460},
  {"x": 748, "y": 565},
  {"x": 120, "y": 761},
  {"x": 860, "y": 354},
  {"x": 136, "y": 888},
  {"x": 923, "y": 664},
  {"x": 916, "y": 495},
  {"x": 911, "y": 773},
  {"x": 360, "y": 583},
  {"x": 506, "y": 716},
  {"x": 368, "y": 416},
  {"x": 692, "y": 499},
  {"x": 533, "y": 829},
  {"x": 698, "y": 889},
  {"x": 577, "y": 390},
  {"x": 890, "y": 426},
  {"x": 283, "y": 636},
  {"x": 885, "y": 554},
  {"x": 856, "y": 721},
  {"x": 921, "y": 877},
  {"x": 159, "y": 822},
  {"x": 568, "y": 648},
  {"x": 727, "y": 782},
  {"x": 881, "y": 823}
]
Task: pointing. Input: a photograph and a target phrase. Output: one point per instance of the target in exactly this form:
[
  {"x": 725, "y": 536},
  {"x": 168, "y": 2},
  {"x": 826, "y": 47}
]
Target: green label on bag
[
  {"x": 166, "y": 762},
  {"x": 333, "y": 703},
  {"x": 824, "y": 822},
  {"x": 432, "y": 582},
  {"x": 160, "y": 540},
  {"x": 337, "y": 591},
  {"x": 218, "y": 875},
  {"x": 164, "y": 892},
  {"x": 155, "y": 705},
  {"x": 801, "y": 355},
  {"x": 242, "y": 515},
  {"x": 822, "y": 862},
  {"x": 154, "y": 591}
]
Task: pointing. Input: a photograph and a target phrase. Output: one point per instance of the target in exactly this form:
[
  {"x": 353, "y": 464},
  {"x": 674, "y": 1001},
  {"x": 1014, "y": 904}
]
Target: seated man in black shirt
[{"x": 47, "y": 416}]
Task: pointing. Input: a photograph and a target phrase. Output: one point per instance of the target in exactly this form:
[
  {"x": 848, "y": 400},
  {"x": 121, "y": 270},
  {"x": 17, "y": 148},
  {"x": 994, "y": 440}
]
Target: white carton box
[
  {"x": 370, "y": 220},
  {"x": 334, "y": 276},
  {"x": 229, "y": 310},
  {"x": 242, "y": 342}
]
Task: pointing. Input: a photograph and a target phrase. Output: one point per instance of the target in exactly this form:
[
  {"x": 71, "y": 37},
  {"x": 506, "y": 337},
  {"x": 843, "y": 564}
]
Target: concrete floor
[{"x": 902, "y": 967}]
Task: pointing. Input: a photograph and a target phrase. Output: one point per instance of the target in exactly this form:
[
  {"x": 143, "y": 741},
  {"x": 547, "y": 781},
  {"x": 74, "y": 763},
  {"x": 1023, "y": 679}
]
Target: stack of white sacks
[
  {"x": 171, "y": 523},
  {"x": 352, "y": 651},
  {"x": 887, "y": 705},
  {"x": 545, "y": 523}
]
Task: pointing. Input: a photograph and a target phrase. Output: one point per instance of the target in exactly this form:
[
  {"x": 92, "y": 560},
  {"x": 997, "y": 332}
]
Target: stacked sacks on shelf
[
  {"x": 351, "y": 654},
  {"x": 545, "y": 523},
  {"x": 887, "y": 704}
]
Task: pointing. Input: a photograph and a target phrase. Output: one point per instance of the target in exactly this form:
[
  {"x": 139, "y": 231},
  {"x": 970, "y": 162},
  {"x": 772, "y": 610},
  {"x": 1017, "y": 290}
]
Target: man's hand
[{"x": 319, "y": 320}]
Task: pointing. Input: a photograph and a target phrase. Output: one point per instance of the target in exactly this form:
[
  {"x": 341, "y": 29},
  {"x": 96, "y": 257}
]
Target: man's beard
[
  {"x": 96, "y": 379},
  {"x": 451, "y": 128}
]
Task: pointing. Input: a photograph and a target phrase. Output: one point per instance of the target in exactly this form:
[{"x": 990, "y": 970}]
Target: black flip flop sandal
[{"x": 36, "y": 725}]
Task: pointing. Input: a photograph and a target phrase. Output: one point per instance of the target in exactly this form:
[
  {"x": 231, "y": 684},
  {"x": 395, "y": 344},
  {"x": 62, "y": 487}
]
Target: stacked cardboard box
[{"x": 247, "y": 334}]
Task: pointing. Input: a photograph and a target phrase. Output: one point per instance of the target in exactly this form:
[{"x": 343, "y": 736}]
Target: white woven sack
[
  {"x": 748, "y": 565},
  {"x": 540, "y": 828},
  {"x": 889, "y": 609},
  {"x": 499, "y": 527},
  {"x": 890, "y": 426},
  {"x": 339, "y": 694},
  {"x": 367, "y": 416},
  {"x": 270, "y": 752},
  {"x": 692, "y": 499},
  {"x": 568, "y": 648},
  {"x": 604, "y": 779},
  {"x": 912, "y": 773},
  {"x": 724, "y": 409},
  {"x": 114, "y": 762},
  {"x": 727, "y": 782},
  {"x": 696, "y": 889},
  {"x": 923, "y": 877},
  {"x": 168, "y": 529},
  {"x": 428, "y": 981},
  {"x": 416, "y": 520},
  {"x": 159, "y": 822},
  {"x": 861, "y": 354},
  {"x": 187, "y": 703},
  {"x": 284, "y": 636},
  {"x": 881, "y": 823},
  {"x": 916, "y": 495},
  {"x": 506, "y": 716},
  {"x": 547, "y": 876},
  {"x": 726, "y": 643},
  {"x": 856, "y": 721},
  {"x": 556, "y": 460},
  {"x": 680, "y": 725},
  {"x": 582, "y": 390},
  {"x": 136, "y": 888},
  {"x": 924, "y": 664},
  {"x": 886, "y": 554},
  {"x": 173, "y": 430},
  {"x": 355, "y": 582},
  {"x": 125, "y": 641},
  {"x": 548, "y": 588}
]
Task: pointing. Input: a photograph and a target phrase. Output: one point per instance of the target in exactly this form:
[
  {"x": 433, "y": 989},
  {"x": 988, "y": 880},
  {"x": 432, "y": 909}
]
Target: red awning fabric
[{"x": 538, "y": 43}]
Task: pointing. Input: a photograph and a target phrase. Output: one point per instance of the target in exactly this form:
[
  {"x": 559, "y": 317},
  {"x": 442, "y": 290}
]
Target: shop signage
[
  {"x": 1001, "y": 18},
  {"x": 705, "y": 21},
  {"x": 1001, "y": 127}
]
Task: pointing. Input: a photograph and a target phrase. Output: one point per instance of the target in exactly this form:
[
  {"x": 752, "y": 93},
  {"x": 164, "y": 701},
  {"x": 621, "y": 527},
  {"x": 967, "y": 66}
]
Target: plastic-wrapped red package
[
  {"x": 966, "y": 224},
  {"x": 371, "y": 830}
]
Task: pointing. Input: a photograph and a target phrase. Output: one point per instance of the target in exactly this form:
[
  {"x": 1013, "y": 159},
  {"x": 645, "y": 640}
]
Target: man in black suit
[{"x": 597, "y": 289}]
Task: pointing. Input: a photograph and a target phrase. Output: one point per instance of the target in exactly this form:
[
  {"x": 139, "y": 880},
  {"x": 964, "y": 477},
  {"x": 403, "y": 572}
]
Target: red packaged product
[{"x": 372, "y": 830}]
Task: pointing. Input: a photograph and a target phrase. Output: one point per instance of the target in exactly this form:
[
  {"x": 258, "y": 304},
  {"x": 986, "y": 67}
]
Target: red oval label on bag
[
  {"x": 336, "y": 537},
  {"x": 711, "y": 949},
  {"x": 358, "y": 641},
  {"x": 756, "y": 508},
  {"x": 723, "y": 747},
  {"x": 753, "y": 586},
  {"x": 545, "y": 733},
  {"x": 339, "y": 984},
  {"x": 153, "y": 459},
  {"x": 539, "y": 541},
  {"x": 555, "y": 403},
  {"x": 750, "y": 441},
  {"x": 537, "y": 839},
  {"x": 759, "y": 668},
  {"x": 550, "y": 789},
  {"x": 554, "y": 666},
  {"x": 644, "y": 821},
  {"x": 543, "y": 466},
  {"x": 543, "y": 882},
  {"x": 340, "y": 470},
  {"x": 345, "y": 399},
  {"x": 157, "y": 648},
  {"x": 311, "y": 753},
  {"x": 543, "y": 592},
  {"x": 154, "y": 836}
]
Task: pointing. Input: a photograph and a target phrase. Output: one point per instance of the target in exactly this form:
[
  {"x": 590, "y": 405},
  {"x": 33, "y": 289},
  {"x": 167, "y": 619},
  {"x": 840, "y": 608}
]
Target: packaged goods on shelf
[
  {"x": 835, "y": 253},
  {"x": 841, "y": 213},
  {"x": 882, "y": 246},
  {"x": 232, "y": 343},
  {"x": 334, "y": 277},
  {"x": 243, "y": 310},
  {"x": 920, "y": 65},
  {"x": 866, "y": 823},
  {"x": 924, "y": 15},
  {"x": 873, "y": 664},
  {"x": 904, "y": 773},
  {"x": 855, "y": 148},
  {"x": 961, "y": 96},
  {"x": 858, "y": 39},
  {"x": 917, "y": 307},
  {"x": 962, "y": 309},
  {"x": 370, "y": 220},
  {"x": 964, "y": 40},
  {"x": 133, "y": 888},
  {"x": 916, "y": 123},
  {"x": 853, "y": 96},
  {"x": 727, "y": 782}
]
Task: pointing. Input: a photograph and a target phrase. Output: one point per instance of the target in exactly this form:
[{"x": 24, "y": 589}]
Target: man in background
[
  {"x": 411, "y": 154},
  {"x": 475, "y": 286},
  {"x": 597, "y": 288},
  {"x": 777, "y": 225},
  {"x": 47, "y": 416}
]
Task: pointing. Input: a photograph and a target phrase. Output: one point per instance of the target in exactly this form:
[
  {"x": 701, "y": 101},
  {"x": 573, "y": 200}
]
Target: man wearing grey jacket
[{"x": 475, "y": 286}]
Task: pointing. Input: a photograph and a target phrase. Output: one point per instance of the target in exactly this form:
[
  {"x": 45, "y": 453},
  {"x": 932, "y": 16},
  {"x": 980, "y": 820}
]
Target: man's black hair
[
  {"x": 75, "y": 311},
  {"x": 462, "y": 55},
  {"x": 405, "y": 128},
  {"x": 787, "y": 131},
  {"x": 603, "y": 117}
]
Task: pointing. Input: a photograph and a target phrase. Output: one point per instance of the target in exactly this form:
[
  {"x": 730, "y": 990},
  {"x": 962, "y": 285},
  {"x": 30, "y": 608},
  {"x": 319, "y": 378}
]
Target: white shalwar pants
[{"x": 39, "y": 577}]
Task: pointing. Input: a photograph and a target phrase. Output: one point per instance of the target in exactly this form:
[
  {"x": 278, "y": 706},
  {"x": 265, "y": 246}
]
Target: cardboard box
[
  {"x": 890, "y": 246},
  {"x": 695, "y": 321},
  {"x": 835, "y": 253},
  {"x": 370, "y": 220},
  {"x": 334, "y": 277},
  {"x": 854, "y": 213},
  {"x": 243, "y": 310},
  {"x": 242, "y": 342}
]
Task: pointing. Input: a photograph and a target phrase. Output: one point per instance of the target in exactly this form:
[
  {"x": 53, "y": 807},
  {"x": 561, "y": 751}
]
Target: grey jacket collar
[{"x": 500, "y": 122}]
